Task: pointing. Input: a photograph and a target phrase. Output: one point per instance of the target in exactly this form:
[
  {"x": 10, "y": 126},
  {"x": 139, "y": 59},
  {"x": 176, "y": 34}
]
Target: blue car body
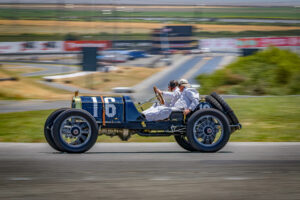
[
  {"x": 121, "y": 112},
  {"x": 117, "y": 109}
]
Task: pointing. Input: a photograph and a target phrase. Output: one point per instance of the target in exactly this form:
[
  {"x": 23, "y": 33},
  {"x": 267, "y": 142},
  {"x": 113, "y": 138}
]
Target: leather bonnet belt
[{"x": 103, "y": 111}]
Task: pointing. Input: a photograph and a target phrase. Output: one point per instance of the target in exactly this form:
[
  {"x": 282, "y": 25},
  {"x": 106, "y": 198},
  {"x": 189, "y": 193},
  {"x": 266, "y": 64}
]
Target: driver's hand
[
  {"x": 186, "y": 111},
  {"x": 159, "y": 91}
]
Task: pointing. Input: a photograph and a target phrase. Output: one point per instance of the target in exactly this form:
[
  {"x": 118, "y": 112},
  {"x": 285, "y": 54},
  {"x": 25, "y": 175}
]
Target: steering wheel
[{"x": 159, "y": 96}]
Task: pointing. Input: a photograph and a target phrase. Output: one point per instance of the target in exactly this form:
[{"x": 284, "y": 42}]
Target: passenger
[{"x": 189, "y": 98}]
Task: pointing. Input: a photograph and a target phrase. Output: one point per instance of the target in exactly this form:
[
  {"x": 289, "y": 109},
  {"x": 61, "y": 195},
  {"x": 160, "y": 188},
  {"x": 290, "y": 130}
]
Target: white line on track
[{"x": 192, "y": 71}]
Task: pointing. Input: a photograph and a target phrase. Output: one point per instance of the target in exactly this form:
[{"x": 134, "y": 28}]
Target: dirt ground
[
  {"x": 45, "y": 26},
  {"x": 15, "y": 69},
  {"x": 26, "y": 88},
  {"x": 104, "y": 82},
  {"x": 29, "y": 88}
]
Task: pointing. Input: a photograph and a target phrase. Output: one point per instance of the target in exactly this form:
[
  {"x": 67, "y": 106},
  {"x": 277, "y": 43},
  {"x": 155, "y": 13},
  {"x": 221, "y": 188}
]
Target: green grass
[
  {"x": 267, "y": 119},
  {"x": 273, "y": 71},
  {"x": 205, "y": 34},
  {"x": 23, "y": 126},
  {"x": 94, "y": 15},
  {"x": 264, "y": 119},
  {"x": 139, "y": 36},
  {"x": 246, "y": 12},
  {"x": 74, "y": 36}
]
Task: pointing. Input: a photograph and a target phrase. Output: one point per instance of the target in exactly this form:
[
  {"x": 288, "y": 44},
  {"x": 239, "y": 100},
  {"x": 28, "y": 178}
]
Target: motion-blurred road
[
  {"x": 150, "y": 171},
  {"x": 46, "y": 69}
]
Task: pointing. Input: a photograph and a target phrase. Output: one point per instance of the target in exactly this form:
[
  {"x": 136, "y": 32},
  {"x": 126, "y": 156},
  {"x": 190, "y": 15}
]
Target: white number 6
[{"x": 110, "y": 109}]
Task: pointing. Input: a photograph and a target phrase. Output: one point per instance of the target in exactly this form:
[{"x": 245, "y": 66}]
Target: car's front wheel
[
  {"x": 75, "y": 131},
  {"x": 208, "y": 130},
  {"x": 48, "y": 126}
]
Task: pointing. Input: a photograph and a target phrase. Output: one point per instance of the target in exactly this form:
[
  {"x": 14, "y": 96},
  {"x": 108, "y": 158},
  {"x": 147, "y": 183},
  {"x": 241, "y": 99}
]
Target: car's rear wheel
[
  {"x": 75, "y": 131},
  {"x": 183, "y": 142},
  {"x": 208, "y": 130},
  {"x": 48, "y": 126}
]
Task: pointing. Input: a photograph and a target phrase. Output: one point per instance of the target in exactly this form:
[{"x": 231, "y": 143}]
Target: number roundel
[{"x": 205, "y": 106}]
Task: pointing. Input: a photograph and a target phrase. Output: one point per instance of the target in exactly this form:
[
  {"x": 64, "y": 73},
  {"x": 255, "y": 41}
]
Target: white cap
[{"x": 184, "y": 83}]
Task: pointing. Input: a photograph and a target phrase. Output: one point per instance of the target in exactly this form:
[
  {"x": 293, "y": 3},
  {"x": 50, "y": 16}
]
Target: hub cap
[
  {"x": 75, "y": 131},
  {"x": 208, "y": 130}
]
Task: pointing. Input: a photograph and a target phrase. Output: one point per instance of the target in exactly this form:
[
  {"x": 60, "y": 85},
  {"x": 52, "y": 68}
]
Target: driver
[
  {"x": 160, "y": 112},
  {"x": 172, "y": 95},
  {"x": 187, "y": 101}
]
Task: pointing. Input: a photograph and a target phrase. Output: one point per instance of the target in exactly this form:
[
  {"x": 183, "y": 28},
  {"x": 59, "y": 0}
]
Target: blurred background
[{"x": 247, "y": 51}]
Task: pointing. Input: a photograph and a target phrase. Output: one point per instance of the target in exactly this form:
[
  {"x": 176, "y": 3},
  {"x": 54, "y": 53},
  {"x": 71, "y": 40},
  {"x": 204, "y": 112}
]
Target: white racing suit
[
  {"x": 171, "y": 97},
  {"x": 188, "y": 99}
]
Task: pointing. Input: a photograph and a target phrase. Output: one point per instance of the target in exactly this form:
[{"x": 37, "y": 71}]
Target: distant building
[{"x": 170, "y": 38}]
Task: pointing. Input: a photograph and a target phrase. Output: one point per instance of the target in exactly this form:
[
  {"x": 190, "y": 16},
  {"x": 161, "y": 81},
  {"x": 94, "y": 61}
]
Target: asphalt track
[
  {"x": 150, "y": 171},
  {"x": 176, "y": 74},
  {"x": 207, "y": 65},
  {"x": 49, "y": 69},
  {"x": 7, "y": 106}
]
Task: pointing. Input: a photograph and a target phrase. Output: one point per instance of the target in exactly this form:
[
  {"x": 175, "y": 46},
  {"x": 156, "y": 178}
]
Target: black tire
[
  {"x": 215, "y": 104},
  {"x": 208, "y": 147},
  {"x": 233, "y": 120},
  {"x": 89, "y": 120},
  {"x": 48, "y": 125},
  {"x": 183, "y": 142},
  {"x": 221, "y": 101}
]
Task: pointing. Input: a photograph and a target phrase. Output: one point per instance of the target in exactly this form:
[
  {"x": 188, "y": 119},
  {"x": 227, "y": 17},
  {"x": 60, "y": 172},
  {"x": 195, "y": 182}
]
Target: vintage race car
[{"x": 76, "y": 129}]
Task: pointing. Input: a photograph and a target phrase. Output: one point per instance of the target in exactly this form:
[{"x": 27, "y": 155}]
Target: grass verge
[
  {"x": 270, "y": 72},
  {"x": 138, "y": 36},
  {"x": 14, "y": 27},
  {"x": 193, "y": 12},
  {"x": 264, "y": 119}
]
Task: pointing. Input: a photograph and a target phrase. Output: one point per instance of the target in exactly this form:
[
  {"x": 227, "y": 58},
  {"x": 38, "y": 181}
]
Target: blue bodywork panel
[
  {"x": 118, "y": 109},
  {"x": 131, "y": 113},
  {"x": 114, "y": 108}
]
